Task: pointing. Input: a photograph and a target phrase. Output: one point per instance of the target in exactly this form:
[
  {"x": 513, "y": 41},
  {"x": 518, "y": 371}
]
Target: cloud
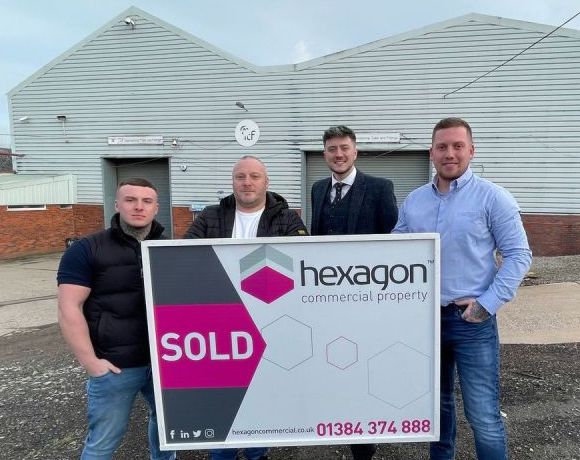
[{"x": 301, "y": 52}]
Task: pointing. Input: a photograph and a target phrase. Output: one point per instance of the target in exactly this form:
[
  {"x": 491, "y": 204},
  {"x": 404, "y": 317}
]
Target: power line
[{"x": 513, "y": 57}]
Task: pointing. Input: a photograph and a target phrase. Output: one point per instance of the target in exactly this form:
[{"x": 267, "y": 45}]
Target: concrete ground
[
  {"x": 540, "y": 314},
  {"x": 42, "y": 399}
]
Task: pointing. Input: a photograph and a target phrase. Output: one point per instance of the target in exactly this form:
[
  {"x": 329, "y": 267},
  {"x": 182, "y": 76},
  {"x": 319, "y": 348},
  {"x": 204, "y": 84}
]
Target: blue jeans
[
  {"x": 252, "y": 453},
  {"x": 472, "y": 348},
  {"x": 110, "y": 400}
]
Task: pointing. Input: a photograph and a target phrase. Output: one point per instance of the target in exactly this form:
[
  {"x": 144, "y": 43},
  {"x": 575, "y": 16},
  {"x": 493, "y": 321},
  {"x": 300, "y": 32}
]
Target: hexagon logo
[{"x": 260, "y": 279}]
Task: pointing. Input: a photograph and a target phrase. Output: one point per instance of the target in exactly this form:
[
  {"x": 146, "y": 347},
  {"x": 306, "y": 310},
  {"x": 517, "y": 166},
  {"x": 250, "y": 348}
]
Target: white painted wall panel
[{"x": 39, "y": 191}]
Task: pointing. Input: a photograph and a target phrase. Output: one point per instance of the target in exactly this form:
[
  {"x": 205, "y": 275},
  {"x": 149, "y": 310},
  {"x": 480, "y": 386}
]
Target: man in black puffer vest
[{"x": 102, "y": 315}]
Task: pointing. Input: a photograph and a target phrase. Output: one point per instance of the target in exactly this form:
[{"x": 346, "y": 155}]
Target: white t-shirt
[{"x": 246, "y": 224}]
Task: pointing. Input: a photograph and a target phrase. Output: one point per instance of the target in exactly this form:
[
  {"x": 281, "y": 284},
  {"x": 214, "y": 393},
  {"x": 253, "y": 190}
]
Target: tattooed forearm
[{"x": 475, "y": 313}]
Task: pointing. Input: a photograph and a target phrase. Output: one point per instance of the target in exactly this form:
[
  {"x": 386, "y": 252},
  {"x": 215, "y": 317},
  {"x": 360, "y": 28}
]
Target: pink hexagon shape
[{"x": 267, "y": 284}]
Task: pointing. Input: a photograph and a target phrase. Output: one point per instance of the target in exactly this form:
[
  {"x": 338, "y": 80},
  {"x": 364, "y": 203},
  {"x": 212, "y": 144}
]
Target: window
[{"x": 26, "y": 207}]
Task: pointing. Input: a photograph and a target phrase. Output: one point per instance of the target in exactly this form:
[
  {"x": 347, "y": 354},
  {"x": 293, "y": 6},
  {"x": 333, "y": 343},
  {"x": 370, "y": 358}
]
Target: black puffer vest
[{"x": 115, "y": 309}]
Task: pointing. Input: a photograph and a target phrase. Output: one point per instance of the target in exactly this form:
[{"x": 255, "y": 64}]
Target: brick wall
[
  {"x": 182, "y": 219},
  {"x": 43, "y": 231},
  {"x": 88, "y": 219},
  {"x": 33, "y": 232},
  {"x": 553, "y": 235}
]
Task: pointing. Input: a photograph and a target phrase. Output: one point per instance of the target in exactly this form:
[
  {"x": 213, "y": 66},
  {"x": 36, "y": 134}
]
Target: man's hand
[
  {"x": 99, "y": 367},
  {"x": 474, "y": 313}
]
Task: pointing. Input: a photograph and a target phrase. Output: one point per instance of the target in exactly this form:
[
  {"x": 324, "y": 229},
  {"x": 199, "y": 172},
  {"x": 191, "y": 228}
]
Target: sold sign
[{"x": 207, "y": 346}]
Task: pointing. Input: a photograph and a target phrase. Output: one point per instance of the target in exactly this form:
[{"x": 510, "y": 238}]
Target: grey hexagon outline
[
  {"x": 369, "y": 377},
  {"x": 311, "y": 343},
  {"x": 348, "y": 340}
]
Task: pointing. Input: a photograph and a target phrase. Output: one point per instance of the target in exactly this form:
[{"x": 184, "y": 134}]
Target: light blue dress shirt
[{"x": 474, "y": 218}]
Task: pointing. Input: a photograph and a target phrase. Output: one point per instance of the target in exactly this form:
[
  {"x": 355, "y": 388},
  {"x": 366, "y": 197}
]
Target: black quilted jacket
[{"x": 217, "y": 221}]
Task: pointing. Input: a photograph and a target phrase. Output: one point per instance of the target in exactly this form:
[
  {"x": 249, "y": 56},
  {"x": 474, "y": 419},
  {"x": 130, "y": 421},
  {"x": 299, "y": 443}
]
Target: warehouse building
[{"x": 140, "y": 97}]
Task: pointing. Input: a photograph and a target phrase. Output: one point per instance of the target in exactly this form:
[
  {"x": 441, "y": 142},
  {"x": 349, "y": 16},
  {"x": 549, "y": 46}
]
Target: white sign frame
[{"x": 403, "y": 417}]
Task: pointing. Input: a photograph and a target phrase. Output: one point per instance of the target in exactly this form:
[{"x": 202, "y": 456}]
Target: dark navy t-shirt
[{"x": 76, "y": 265}]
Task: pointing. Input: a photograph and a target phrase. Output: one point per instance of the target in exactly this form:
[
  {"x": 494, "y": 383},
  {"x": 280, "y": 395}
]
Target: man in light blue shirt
[{"x": 474, "y": 218}]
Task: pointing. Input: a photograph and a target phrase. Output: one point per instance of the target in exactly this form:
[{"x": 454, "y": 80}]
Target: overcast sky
[{"x": 263, "y": 32}]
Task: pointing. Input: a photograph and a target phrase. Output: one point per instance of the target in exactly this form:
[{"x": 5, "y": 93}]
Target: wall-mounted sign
[
  {"x": 196, "y": 207},
  {"x": 135, "y": 140},
  {"x": 379, "y": 138},
  {"x": 247, "y": 133}
]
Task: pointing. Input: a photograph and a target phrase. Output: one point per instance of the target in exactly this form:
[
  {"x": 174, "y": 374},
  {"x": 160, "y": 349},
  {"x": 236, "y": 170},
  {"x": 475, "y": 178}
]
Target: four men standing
[{"x": 101, "y": 305}]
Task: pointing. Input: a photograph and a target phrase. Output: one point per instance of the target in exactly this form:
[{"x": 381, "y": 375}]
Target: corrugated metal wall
[
  {"x": 38, "y": 190},
  {"x": 525, "y": 115},
  {"x": 158, "y": 80}
]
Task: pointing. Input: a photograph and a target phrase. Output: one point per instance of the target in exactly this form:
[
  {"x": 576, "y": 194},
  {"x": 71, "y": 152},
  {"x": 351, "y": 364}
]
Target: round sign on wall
[{"x": 247, "y": 133}]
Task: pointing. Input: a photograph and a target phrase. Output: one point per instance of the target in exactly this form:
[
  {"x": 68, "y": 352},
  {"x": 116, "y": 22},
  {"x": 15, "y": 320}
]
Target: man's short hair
[
  {"x": 338, "y": 131},
  {"x": 252, "y": 157},
  {"x": 138, "y": 182},
  {"x": 452, "y": 122}
]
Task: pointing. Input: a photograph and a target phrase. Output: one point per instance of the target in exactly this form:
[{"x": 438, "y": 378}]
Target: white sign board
[
  {"x": 294, "y": 341},
  {"x": 378, "y": 138},
  {"x": 135, "y": 140},
  {"x": 247, "y": 133}
]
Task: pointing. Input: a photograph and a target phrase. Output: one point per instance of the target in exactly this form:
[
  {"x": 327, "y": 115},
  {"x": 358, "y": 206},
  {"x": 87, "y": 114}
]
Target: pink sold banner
[{"x": 222, "y": 352}]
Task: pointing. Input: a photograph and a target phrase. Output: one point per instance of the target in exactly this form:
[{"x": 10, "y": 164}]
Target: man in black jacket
[
  {"x": 102, "y": 316},
  {"x": 251, "y": 211}
]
